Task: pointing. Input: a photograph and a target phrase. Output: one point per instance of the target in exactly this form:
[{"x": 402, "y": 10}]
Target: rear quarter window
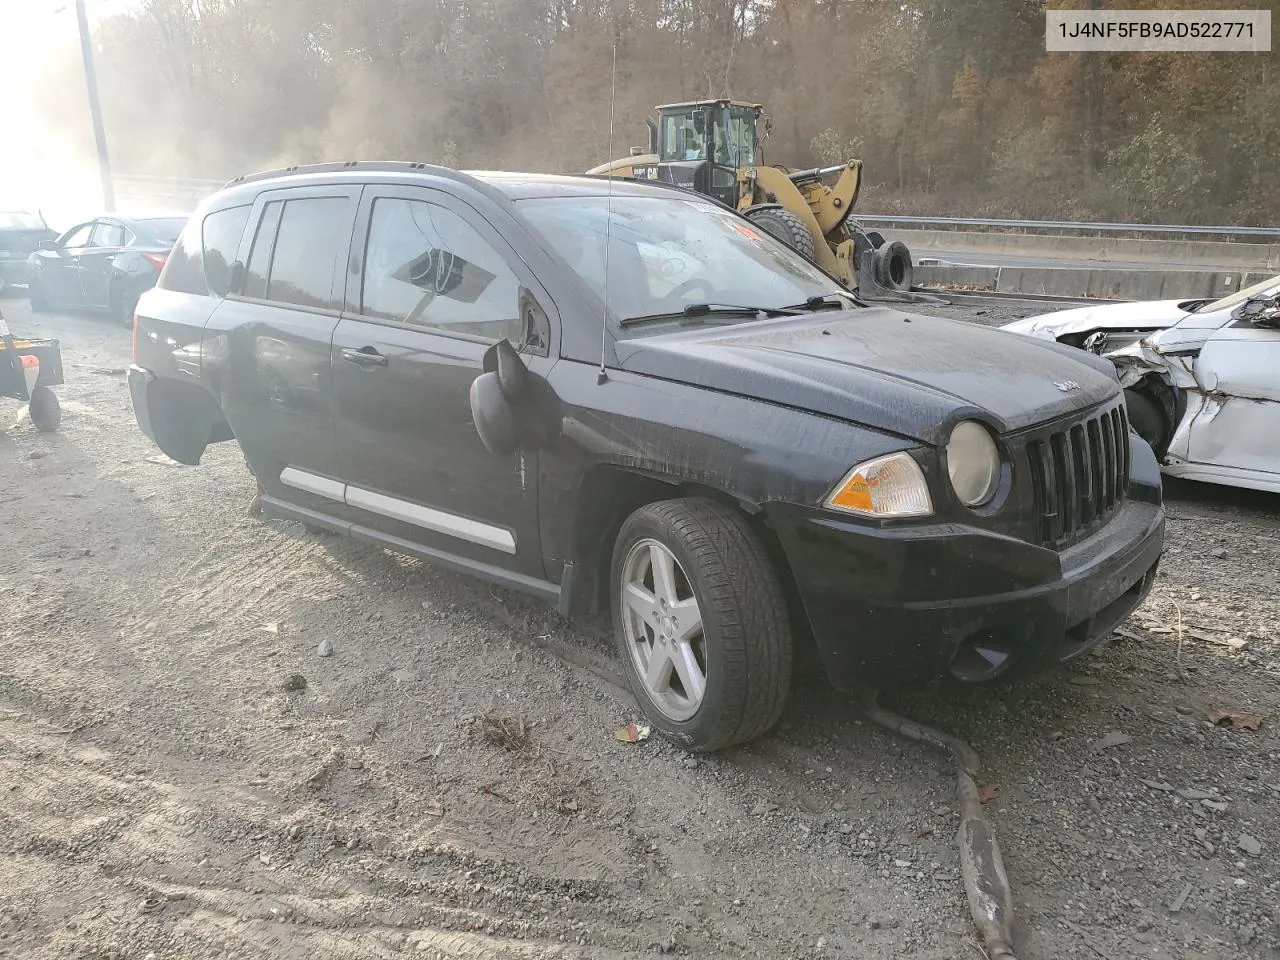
[
  {"x": 222, "y": 232},
  {"x": 183, "y": 272},
  {"x": 200, "y": 262}
]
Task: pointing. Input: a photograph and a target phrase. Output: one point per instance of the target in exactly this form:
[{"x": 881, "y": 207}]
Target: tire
[
  {"x": 743, "y": 648},
  {"x": 1148, "y": 420},
  {"x": 38, "y": 298},
  {"x": 123, "y": 304},
  {"x": 892, "y": 266},
  {"x": 45, "y": 411},
  {"x": 786, "y": 226}
]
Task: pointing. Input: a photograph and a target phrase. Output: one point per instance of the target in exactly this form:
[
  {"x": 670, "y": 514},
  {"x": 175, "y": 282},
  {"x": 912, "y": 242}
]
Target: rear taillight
[{"x": 156, "y": 260}]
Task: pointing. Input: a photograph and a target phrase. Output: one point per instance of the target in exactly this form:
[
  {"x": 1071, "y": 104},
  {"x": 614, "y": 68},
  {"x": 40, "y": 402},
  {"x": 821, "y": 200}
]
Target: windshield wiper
[
  {"x": 696, "y": 311},
  {"x": 829, "y": 301}
]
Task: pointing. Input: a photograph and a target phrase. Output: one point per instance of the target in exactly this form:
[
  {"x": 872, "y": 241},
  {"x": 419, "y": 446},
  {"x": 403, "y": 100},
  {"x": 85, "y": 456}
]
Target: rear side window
[
  {"x": 255, "y": 279},
  {"x": 222, "y": 231},
  {"x": 182, "y": 272},
  {"x": 314, "y": 233}
]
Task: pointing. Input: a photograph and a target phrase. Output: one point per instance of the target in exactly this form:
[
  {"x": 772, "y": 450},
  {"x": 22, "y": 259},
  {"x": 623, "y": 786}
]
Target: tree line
[{"x": 953, "y": 105}]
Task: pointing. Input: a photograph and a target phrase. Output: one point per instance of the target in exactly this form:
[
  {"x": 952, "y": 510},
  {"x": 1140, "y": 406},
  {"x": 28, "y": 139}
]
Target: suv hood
[{"x": 902, "y": 373}]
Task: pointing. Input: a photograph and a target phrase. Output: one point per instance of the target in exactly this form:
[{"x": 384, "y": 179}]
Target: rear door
[
  {"x": 437, "y": 286},
  {"x": 109, "y": 237},
  {"x": 268, "y": 342},
  {"x": 1238, "y": 426}
]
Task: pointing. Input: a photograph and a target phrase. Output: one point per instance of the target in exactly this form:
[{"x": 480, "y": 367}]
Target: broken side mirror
[
  {"x": 1260, "y": 311},
  {"x": 494, "y": 396}
]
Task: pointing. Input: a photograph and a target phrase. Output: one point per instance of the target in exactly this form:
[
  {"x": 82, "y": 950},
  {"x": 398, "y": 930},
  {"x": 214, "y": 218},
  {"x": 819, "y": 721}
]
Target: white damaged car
[{"x": 1201, "y": 377}]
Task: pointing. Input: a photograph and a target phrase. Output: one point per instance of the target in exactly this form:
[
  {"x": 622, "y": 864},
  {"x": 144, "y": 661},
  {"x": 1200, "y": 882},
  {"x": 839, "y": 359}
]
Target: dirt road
[{"x": 162, "y": 794}]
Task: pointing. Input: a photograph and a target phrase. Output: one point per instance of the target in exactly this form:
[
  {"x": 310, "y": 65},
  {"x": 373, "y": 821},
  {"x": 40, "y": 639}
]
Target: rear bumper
[{"x": 913, "y": 607}]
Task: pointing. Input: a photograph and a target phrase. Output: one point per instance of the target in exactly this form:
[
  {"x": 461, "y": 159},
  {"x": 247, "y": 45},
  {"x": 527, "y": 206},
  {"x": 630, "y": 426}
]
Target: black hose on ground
[{"x": 985, "y": 883}]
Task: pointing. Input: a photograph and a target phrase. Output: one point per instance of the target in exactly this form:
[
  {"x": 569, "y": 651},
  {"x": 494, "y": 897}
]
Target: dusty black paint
[{"x": 765, "y": 415}]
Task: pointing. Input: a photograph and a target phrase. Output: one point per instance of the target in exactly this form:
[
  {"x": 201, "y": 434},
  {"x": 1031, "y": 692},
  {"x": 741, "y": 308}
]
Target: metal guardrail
[
  {"x": 1269, "y": 232},
  {"x": 195, "y": 189}
]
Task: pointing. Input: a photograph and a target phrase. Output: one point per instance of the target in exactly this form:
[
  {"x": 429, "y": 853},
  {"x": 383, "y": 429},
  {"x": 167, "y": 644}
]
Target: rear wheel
[
  {"x": 123, "y": 304},
  {"x": 701, "y": 623},
  {"x": 45, "y": 411},
  {"x": 786, "y": 226}
]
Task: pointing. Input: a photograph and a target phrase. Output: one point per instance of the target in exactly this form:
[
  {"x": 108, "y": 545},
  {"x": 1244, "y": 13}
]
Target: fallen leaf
[
  {"x": 988, "y": 793},
  {"x": 433, "y": 808},
  {"x": 1113, "y": 739},
  {"x": 1239, "y": 719},
  {"x": 1126, "y": 633},
  {"x": 924, "y": 832},
  {"x": 632, "y": 733}
]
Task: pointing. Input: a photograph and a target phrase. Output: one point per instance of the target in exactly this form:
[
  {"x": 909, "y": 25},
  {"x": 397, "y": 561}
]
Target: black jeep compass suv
[{"x": 626, "y": 396}]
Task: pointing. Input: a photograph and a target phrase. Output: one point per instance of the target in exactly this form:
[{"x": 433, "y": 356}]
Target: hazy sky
[{"x": 38, "y": 172}]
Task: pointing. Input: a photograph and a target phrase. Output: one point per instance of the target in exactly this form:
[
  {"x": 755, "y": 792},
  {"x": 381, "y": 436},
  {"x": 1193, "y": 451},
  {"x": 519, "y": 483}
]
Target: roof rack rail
[{"x": 364, "y": 166}]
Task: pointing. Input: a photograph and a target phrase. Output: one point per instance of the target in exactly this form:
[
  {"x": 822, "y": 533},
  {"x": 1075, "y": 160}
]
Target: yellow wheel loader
[{"x": 710, "y": 146}]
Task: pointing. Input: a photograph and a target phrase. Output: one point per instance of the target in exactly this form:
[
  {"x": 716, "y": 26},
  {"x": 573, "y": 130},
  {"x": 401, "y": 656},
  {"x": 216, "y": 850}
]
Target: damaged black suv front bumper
[{"x": 910, "y": 607}]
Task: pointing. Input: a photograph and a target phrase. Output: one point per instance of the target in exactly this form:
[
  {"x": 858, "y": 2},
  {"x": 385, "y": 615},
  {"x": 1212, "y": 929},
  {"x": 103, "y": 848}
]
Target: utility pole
[{"x": 95, "y": 109}]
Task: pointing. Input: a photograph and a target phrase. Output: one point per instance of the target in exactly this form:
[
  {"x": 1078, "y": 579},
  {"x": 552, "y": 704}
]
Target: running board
[{"x": 275, "y": 507}]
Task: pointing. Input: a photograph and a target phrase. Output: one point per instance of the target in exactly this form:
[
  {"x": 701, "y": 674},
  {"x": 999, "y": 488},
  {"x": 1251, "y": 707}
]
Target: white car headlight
[
  {"x": 889, "y": 486},
  {"x": 973, "y": 462}
]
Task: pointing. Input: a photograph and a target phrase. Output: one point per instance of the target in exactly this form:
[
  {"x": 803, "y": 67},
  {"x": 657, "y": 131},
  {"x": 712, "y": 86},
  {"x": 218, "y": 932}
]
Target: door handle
[{"x": 365, "y": 356}]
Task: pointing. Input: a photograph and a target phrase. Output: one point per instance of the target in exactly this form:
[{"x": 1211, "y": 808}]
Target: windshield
[
  {"x": 18, "y": 220},
  {"x": 735, "y": 137},
  {"x": 1266, "y": 288},
  {"x": 164, "y": 229},
  {"x": 666, "y": 253}
]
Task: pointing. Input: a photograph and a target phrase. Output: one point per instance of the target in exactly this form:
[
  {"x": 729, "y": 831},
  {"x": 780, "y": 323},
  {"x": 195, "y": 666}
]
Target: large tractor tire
[
  {"x": 786, "y": 226},
  {"x": 892, "y": 266}
]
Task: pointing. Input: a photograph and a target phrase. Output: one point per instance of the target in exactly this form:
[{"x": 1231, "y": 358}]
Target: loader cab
[{"x": 702, "y": 145}]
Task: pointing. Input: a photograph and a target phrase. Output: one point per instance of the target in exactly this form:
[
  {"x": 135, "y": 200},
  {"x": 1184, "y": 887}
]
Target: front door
[
  {"x": 267, "y": 344},
  {"x": 437, "y": 287},
  {"x": 60, "y": 267},
  {"x": 107, "y": 241},
  {"x": 1239, "y": 424}
]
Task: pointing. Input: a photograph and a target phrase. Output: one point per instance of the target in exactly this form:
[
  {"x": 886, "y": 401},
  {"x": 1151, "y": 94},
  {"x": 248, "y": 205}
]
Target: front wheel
[
  {"x": 1148, "y": 421},
  {"x": 37, "y": 296},
  {"x": 701, "y": 623}
]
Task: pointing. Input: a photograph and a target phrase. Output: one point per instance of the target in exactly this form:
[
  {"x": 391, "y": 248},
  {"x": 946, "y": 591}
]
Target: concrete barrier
[
  {"x": 1200, "y": 254},
  {"x": 1102, "y": 284}
]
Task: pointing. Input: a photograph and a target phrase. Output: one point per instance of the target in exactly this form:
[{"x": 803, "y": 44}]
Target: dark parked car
[
  {"x": 720, "y": 444},
  {"x": 21, "y": 233},
  {"x": 105, "y": 263}
]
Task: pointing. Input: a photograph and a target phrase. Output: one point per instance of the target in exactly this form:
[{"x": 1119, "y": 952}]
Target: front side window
[
  {"x": 425, "y": 265},
  {"x": 164, "y": 230},
  {"x": 78, "y": 237},
  {"x": 666, "y": 253}
]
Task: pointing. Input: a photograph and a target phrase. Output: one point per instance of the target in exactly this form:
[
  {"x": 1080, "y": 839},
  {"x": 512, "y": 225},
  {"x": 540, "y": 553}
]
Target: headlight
[
  {"x": 973, "y": 463},
  {"x": 891, "y": 486}
]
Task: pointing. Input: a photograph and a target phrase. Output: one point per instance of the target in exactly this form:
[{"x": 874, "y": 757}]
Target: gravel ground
[{"x": 447, "y": 784}]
